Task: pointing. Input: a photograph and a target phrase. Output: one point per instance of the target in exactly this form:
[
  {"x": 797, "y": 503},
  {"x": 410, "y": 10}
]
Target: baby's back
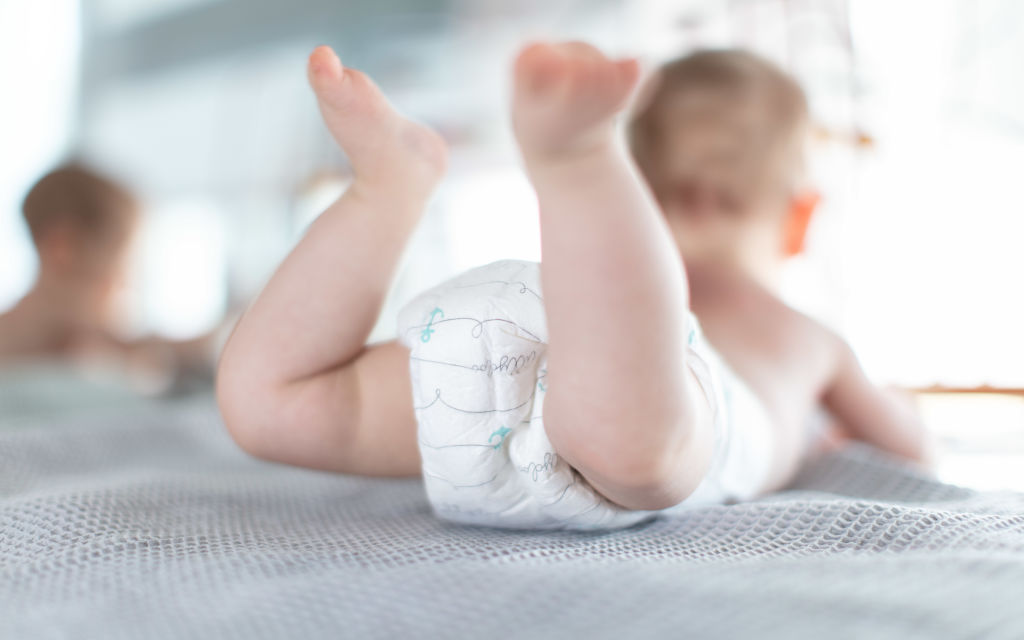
[{"x": 787, "y": 359}]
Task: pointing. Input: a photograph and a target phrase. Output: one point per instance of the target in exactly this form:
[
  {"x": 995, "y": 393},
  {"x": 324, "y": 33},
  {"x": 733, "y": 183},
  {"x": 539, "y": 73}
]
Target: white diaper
[{"x": 478, "y": 363}]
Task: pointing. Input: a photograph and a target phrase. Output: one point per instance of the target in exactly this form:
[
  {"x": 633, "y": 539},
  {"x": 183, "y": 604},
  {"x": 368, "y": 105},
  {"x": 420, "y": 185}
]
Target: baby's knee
[{"x": 655, "y": 472}]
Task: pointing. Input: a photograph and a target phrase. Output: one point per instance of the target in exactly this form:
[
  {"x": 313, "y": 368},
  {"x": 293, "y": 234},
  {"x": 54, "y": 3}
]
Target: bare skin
[
  {"x": 796, "y": 366},
  {"x": 37, "y": 327},
  {"x": 608, "y": 260},
  {"x": 298, "y": 384},
  {"x": 66, "y": 317}
]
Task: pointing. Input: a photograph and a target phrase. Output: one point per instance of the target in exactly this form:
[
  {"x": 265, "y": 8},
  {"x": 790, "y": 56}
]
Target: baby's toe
[{"x": 538, "y": 67}]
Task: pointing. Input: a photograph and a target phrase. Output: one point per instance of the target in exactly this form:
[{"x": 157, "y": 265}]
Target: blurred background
[{"x": 201, "y": 107}]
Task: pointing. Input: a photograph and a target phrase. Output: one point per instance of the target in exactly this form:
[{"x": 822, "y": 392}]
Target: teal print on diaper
[
  {"x": 501, "y": 433},
  {"x": 428, "y": 330},
  {"x": 540, "y": 385}
]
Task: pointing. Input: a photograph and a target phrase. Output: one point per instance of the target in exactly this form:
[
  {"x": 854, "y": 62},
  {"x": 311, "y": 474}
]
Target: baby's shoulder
[
  {"x": 792, "y": 333},
  {"x": 820, "y": 347},
  {"x": 744, "y": 311},
  {"x": 766, "y": 308}
]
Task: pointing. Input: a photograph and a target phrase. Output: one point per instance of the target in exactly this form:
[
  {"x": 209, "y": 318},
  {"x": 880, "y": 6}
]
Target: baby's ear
[{"x": 801, "y": 209}]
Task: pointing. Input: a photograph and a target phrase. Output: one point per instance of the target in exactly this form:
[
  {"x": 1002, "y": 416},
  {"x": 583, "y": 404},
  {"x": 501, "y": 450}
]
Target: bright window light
[
  {"x": 35, "y": 118},
  {"x": 181, "y": 284},
  {"x": 491, "y": 214}
]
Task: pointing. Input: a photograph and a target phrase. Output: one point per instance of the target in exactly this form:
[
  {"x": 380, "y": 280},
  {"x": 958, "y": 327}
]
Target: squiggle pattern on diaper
[
  {"x": 575, "y": 479},
  {"x": 476, "y": 444},
  {"x": 506, "y": 363},
  {"x": 469, "y": 486},
  {"x": 438, "y": 398},
  {"x": 428, "y": 331},
  {"x": 510, "y": 364},
  {"x": 535, "y": 469},
  {"x": 501, "y": 433},
  {"x": 523, "y": 287},
  {"x": 478, "y": 328}
]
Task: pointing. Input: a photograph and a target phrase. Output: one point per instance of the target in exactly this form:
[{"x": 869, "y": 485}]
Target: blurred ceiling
[{"x": 128, "y": 40}]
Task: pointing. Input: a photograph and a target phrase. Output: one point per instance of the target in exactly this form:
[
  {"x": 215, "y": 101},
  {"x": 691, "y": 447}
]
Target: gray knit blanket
[{"x": 147, "y": 522}]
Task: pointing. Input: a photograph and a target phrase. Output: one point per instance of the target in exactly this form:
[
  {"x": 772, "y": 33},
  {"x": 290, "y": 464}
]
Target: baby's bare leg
[
  {"x": 288, "y": 383},
  {"x": 622, "y": 406}
]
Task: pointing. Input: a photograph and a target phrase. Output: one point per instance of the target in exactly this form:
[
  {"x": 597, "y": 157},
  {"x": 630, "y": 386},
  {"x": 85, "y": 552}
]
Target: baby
[
  {"x": 641, "y": 428},
  {"x": 83, "y": 225}
]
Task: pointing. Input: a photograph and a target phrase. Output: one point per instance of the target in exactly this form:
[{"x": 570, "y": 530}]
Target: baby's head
[
  {"x": 82, "y": 225},
  {"x": 720, "y": 138}
]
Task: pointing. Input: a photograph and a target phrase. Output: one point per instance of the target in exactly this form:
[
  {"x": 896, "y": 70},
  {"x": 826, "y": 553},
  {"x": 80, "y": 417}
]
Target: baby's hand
[{"x": 885, "y": 418}]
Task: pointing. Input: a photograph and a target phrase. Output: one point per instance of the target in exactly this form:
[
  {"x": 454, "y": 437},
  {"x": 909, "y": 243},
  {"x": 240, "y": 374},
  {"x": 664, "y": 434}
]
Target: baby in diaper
[{"x": 581, "y": 392}]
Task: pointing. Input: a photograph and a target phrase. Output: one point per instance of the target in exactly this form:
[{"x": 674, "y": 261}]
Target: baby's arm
[
  {"x": 296, "y": 383},
  {"x": 871, "y": 414}
]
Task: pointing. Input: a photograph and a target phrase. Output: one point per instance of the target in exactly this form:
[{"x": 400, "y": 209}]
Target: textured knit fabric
[{"x": 150, "y": 523}]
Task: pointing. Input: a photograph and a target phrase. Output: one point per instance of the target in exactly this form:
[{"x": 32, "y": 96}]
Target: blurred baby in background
[{"x": 83, "y": 225}]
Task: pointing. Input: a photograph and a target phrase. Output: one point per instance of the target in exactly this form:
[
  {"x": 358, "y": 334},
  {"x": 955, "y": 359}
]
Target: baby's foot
[
  {"x": 566, "y": 97},
  {"x": 386, "y": 150}
]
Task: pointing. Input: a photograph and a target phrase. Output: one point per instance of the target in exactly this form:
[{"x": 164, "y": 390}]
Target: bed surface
[{"x": 148, "y": 522}]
